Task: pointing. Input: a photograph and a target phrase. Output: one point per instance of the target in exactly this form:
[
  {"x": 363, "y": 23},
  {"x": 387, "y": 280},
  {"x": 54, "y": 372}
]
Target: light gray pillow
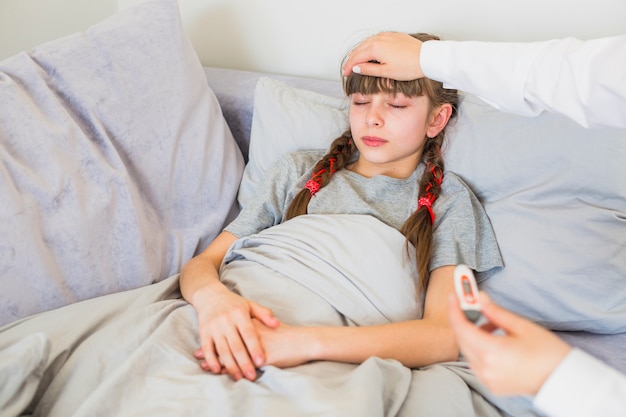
[
  {"x": 554, "y": 191},
  {"x": 116, "y": 163},
  {"x": 556, "y": 196},
  {"x": 286, "y": 119}
]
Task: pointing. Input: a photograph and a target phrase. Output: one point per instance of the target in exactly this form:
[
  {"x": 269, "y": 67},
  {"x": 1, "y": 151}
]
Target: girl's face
[{"x": 390, "y": 132}]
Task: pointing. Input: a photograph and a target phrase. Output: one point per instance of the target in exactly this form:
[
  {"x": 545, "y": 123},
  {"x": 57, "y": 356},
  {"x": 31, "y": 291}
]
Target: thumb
[
  {"x": 264, "y": 315},
  {"x": 500, "y": 317},
  {"x": 373, "y": 69}
]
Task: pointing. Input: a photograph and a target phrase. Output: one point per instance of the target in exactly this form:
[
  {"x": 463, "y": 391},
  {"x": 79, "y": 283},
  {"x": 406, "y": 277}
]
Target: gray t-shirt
[{"x": 459, "y": 216}]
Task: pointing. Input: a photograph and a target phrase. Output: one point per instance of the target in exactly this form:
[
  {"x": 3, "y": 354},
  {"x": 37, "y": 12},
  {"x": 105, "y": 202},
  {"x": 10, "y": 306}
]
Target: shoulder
[
  {"x": 457, "y": 196},
  {"x": 294, "y": 162},
  {"x": 454, "y": 184},
  {"x": 461, "y": 217},
  {"x": 309, "y": 156},
  {"x": 306, "y": 157}
]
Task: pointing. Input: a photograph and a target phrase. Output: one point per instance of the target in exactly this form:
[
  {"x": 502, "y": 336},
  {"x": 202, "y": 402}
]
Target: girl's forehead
[
  {"x": 357, "y": 83},
  {"x": 388, "y": 95}
]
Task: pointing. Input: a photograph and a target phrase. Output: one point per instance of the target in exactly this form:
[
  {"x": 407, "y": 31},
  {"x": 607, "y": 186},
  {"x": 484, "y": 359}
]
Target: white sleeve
[
  {"x": 583, "y": 386},
  {"x": 583, "y": 80}
]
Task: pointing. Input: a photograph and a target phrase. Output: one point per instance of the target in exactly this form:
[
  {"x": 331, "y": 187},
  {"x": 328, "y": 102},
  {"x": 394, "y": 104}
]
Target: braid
[
  {"x": 337, "y": 158},
  {"x": 418, "y": 228}
]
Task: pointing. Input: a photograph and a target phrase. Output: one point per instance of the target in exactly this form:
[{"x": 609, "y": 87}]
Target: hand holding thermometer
[{"x": 467, "y": 292}]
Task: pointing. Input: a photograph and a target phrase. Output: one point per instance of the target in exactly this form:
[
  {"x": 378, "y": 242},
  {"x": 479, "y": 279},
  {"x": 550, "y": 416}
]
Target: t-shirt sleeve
[
  {"x": 273, "y": 194},
  {"x": 461, "y": 221}
]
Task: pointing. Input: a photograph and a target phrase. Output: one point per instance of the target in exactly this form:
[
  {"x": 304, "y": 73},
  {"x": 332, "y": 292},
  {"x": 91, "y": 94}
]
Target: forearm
[
  {"x": 583, "y": 386},
  {"x": 413, "y": 343},
  {"x": 581, "y": 80},
  {"x": 198, "y": 276},
  {"x": 494, "y": 71}
]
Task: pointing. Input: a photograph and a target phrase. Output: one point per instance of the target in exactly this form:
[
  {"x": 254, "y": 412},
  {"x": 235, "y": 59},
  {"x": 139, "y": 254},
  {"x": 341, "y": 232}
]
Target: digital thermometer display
[{"x": 467, "y": 293}]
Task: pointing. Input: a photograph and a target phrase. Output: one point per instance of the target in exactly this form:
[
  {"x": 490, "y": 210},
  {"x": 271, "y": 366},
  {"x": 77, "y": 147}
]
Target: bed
[{"x": 123, "y": 157}]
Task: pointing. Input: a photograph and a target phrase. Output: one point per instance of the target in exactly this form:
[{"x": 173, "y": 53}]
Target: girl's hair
[{"x": 418, "y": 228}]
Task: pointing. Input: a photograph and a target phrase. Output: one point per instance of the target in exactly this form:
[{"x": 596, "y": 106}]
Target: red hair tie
[
  {"x": 313, "y": 187},
  {"x": 427, "y": 201},
  {"x": 315, "y": 183}
]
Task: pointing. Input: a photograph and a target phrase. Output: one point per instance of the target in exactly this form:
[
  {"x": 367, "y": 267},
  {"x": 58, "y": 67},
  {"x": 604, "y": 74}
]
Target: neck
[{"x": 392, "y": 169}]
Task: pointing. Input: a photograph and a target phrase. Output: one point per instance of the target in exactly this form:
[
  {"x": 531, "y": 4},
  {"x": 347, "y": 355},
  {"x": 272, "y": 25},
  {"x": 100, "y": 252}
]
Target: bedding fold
[{"x": 354, "y": 264}]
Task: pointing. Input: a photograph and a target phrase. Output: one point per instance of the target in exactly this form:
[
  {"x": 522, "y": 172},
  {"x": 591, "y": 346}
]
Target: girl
[{"x": 387, "y": 165}]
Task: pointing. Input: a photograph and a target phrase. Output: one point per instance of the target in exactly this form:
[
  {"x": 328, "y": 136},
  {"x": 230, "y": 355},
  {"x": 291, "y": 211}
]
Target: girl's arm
[
  {"x": 414, "y": 343},
  {"x": 227, "y": 337}
]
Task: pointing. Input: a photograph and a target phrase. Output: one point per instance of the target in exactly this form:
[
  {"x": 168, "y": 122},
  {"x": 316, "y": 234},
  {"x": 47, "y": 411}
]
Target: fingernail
[
  {"x": 356, "y": 69},
  {"x": 258, "y": 361}
]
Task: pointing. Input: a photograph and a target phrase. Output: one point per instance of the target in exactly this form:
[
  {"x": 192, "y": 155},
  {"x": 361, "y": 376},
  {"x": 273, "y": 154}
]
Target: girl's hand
[
  {"x": 285, "y": 346},
  {"x": 229, "y": 340}
]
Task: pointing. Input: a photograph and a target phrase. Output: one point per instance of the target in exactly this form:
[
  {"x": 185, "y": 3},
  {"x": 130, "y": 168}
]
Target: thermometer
[{"x": 467, "y": 292}]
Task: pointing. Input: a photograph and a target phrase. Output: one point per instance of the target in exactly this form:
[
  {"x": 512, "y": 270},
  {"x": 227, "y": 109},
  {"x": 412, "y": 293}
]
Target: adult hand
[
  {"x": 518, "y": 360},
  {"x": 229, "y": 340},
  {"x": 396, "y": 56}
]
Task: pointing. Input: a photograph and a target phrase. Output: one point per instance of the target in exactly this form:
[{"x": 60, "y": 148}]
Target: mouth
[{"x": 373, "y": 141}]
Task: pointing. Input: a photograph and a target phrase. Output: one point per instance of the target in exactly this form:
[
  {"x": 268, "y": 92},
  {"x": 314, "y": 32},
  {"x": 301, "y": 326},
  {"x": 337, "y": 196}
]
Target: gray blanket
[{"x": 130, "y": 353}]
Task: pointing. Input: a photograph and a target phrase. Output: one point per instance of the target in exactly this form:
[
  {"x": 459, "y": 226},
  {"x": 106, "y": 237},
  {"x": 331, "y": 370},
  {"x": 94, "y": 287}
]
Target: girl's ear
[{"x": 439, "y": 119}]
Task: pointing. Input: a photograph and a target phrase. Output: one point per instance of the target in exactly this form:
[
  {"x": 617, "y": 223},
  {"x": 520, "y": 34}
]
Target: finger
[
  {"x": 487, "y": 326},
  {"x": 359, "y": 55},
  {"x": 250, "y": 354},
  {"x": 501, "y": 318},
  {"x": 264, "y": 315},
  {"x": 374, "y": 69},
  {"x": 207, "y": 355},
  {"x": 245, "y": 347},
  {"x": 244, "y": 363},
  {"x": 198, "y": 354},
  {"x": 223, "y": 370},
  {"x": 226, "y": 359}
]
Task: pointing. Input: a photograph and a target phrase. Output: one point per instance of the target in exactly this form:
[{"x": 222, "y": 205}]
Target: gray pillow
[
  {"x": 556, "y": 196},
  {"x": 116, "y": 163}
]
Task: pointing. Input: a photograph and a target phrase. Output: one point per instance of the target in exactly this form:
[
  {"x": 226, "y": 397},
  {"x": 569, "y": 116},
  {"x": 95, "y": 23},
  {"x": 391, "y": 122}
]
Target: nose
[{"x": 373, "y": 117}]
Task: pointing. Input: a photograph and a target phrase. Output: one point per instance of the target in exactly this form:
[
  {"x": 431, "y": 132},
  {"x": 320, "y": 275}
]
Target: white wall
[
  {"x": 310, "y": 37},
  {"x": 27, "y": 23}
]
